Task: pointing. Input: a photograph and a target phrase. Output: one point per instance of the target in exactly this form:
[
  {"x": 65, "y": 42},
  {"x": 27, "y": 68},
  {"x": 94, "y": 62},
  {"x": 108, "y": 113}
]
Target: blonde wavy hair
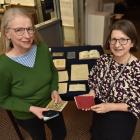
[{"x": 8, "y": 16}]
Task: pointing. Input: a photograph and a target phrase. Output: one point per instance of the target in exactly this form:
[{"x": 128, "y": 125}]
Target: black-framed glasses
[
  {"x": 21, "y": 31},
  {"x": 122, "y": 41}
]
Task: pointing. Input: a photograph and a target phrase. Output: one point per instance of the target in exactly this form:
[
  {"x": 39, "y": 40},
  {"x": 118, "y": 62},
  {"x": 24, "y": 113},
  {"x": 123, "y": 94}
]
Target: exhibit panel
[{"x": 73, "y": 64}]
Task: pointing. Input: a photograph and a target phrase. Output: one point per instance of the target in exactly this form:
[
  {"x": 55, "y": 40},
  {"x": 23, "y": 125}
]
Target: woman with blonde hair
[{"x": 28, "y": 77}]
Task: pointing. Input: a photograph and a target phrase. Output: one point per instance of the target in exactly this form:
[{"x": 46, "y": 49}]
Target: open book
[
  {"x": 92, "y": 54},
  {"x": 57, "y": 106},
  {"x": 84, "y": 102}
]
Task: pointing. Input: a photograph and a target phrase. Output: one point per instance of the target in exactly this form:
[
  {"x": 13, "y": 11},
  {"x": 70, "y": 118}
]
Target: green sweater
[{"x": 22, "y": 87}]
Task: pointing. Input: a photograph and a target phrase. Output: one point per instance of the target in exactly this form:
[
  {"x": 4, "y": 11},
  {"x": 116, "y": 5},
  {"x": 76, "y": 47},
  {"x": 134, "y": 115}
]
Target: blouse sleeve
[
  {"x": 134, "y": 99},
  {"x": 94, "y": 73},
  {"x": 92, "y": 80}
]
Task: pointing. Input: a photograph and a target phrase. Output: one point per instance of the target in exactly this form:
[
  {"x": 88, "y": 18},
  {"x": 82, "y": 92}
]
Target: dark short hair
[{"x": 128, "y": 28}]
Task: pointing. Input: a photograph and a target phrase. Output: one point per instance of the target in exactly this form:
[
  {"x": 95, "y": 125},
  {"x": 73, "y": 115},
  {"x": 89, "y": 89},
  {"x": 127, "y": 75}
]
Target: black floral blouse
[{"x": 126, "y": 88}]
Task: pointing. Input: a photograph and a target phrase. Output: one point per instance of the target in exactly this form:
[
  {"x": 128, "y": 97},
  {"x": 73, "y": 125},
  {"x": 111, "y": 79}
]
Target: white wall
[{"x": 96, "y": 25}]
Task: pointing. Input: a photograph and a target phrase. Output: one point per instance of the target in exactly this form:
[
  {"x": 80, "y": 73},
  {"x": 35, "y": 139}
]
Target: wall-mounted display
[{"x": 73, "y": 79}]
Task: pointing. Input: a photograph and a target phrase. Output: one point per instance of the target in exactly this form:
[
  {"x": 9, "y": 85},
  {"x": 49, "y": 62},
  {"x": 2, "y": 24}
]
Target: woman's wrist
[
  {"x": 119, "y": 107},
  {"x": 30, "y": 108},
  {"x": 92, "y": 93},
  {"x": 54, "y": 91}
]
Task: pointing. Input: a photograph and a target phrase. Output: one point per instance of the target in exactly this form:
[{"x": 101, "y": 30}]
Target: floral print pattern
[{"x": 126, "y": 88}]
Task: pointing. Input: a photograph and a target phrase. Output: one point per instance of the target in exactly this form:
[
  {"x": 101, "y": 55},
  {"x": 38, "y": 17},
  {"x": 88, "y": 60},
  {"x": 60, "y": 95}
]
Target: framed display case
[
  {"x": 73, "y": 64},
  {"x": 50, "y": 25}
]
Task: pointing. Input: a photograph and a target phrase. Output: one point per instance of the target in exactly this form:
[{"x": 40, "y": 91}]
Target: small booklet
[
  {"x": 84, "y": 102},
  {"x": 57, "y": 106}
]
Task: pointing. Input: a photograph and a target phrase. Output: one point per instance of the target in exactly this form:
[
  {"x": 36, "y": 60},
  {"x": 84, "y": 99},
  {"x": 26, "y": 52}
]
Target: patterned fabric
[
  {"x": 126, "y": 88},
  {"x": 27, "y": 59}
]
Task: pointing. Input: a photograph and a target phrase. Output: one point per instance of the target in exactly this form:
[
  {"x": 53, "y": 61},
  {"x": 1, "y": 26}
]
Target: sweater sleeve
[
  {"x": 54, "y": 82},
  {"x": 7, "y": 101}
]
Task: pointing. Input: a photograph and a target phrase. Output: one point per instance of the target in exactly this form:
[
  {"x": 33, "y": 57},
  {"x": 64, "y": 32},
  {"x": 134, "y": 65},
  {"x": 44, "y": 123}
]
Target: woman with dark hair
[{"x": 115, "y": 83}]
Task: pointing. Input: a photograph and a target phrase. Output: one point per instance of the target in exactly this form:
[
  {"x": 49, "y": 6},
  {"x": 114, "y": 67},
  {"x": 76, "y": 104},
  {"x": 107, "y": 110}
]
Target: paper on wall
[
  {"x": 79, "y": 72},
  {"x": 67, "y": 12},
  {"x": 60, "y": 64},
  {"x": 62, "y": 88},
  {"x": 77, "y": 87},
  {"x": 63, "y": 76}
]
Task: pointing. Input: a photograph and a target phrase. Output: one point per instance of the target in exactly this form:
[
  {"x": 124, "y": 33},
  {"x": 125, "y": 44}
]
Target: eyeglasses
[
  {"x": 122, "y": 41},
  {"x": 21, "y": 31}
]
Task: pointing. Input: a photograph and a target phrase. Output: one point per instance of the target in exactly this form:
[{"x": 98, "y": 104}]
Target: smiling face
[
  {"x": 120, "y": 45},
  {"x": 23, "y": 41}
]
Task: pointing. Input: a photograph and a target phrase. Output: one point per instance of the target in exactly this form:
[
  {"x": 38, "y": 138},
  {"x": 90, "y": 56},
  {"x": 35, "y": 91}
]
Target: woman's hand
[
  {"x": 56, "y": 97},
  {"x": 102, "y": 108},
  {"x": 37, "y": 111},
  {"x": 91, "y": 93},
  {"x": 106, "y": 107}
]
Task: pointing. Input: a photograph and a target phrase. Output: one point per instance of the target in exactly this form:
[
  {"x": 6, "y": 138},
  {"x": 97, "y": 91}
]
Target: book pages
[
  {"x": 62, "y": 88},
  {"x": 63, "y": 76},
  {"x": 92, "y": 54},
  {"x": 79, "y": 72},
  {"x": 77, "y": 87},
  {"x": 83, "y": 55},
  {"x": 56, "y": 106}
]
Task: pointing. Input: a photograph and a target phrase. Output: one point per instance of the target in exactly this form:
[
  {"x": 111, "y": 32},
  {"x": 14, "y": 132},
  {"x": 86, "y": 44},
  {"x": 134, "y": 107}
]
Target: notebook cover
[{"x": 84, "y": 102}]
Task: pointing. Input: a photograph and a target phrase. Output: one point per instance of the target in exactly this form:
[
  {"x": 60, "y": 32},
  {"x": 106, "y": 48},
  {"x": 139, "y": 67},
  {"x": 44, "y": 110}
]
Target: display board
[{"x": 73, "y": 64}]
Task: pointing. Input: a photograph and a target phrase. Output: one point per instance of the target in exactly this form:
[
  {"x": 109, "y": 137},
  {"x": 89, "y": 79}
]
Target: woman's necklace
[
  {"x": 117, "y": 77},
  {"x": 119, "y": 74}
]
